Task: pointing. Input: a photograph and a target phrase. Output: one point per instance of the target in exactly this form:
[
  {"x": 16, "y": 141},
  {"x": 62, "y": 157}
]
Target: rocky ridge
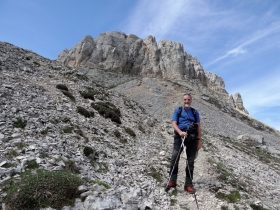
[
  {"x": 130, "y": 54},
  {"x": 238, "y": 154}
]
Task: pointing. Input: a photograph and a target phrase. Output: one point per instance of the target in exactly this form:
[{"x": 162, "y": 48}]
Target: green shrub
[
  {"x": 21, "y": 145},
  {"x": 36, "y": 63},
  {"x": 67, "y": 129},
  {"x": 233, "y": 197},
  {"x": 89, "y": 94},
  {"x": 117, "y": 133},
  {"x": 100, "y": 183},
  {"x": 19, "y": 123},
  {"x": 224, "y": 174},
  {"x": 71, "y": 167},
  {"x": 44, "y": 132},
  {"x": 88, "y": 150},
  {"x": 54, "y": 121},
  {"x": 108, "y": 110},
  {"x": 130, "y": 132},
  {"x": 41, "y": 189},
  {"x": 32, "y": 164},
  {"x": 151, "y": 171},
  {"x": 256, "y": 207},
  {"x": 12, "y": 153},
  {"x": 84, "y": 112},
  {"x": 69, "y": 95},
  {"x": 123, "y": 140},
  {"x": 224, "y": 207},
  {"x": 8, "y": 165},
  {"x": 62, "y": 87}
]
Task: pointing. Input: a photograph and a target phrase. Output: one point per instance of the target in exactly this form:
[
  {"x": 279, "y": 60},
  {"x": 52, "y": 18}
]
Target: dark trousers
[{"x": 191, "y": 150}]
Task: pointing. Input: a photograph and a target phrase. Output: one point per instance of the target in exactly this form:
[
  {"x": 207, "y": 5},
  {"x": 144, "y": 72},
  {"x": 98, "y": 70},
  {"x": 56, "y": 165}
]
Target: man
[{"x": 186, "y": 126}]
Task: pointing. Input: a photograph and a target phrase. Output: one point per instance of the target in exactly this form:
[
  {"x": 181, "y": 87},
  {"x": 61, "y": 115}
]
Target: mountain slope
[{"x": 134, "y": 167}]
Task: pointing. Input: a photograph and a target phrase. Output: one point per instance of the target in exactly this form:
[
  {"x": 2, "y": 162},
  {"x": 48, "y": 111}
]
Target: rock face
[
  {"x": 130, "y": 54},
  {"x": 40, "y": 122},
  {"x": 239, "y": 103}
]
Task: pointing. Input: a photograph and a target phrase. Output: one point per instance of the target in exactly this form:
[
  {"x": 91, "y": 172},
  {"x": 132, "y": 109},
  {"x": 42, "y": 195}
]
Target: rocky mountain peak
[{"x": 130, "y": 54}]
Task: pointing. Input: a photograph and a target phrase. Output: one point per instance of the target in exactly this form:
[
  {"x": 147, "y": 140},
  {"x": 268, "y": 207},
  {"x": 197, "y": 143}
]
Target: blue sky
[{"x": 238, "y": 40}]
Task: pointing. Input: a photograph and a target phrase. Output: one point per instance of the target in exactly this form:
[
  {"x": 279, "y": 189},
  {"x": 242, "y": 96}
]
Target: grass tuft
[
  {"x": 41, "y": 189},
  {"x": 151, "y": 171},
  {"x": 20, "y": 123},
  {"x": 84, "y": 112},
  {"x": 62, "y": 87},
  {"x": 130, "y": 132},
  {"x": 108, "y": 110}
]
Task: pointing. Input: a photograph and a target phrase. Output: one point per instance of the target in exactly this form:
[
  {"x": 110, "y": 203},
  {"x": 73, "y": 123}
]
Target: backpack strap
[
  {"x": 194, "y": 114},
  {"x": 179, "y": 114},
  {"x": 180, "y": 111}
]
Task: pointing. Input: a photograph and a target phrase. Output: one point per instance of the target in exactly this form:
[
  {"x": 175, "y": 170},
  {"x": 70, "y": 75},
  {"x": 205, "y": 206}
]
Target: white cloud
[
  {"x": 257, "y": 36},
  {"x": 156, "y": 18}
]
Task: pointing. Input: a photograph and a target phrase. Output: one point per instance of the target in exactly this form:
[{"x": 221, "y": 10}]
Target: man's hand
[
  {"x": 199, "y": 144},
  {"x": 183, "y": 134}
]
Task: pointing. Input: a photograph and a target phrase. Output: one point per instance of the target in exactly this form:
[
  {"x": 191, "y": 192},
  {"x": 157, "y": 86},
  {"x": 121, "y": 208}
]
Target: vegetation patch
[
  {"x": 257, "y": 207},
  {"x": 67, "y": 129},
  {"x": 117, "y": 133},
  {"x": 20, "y": 123},
  {"x": 130, "y": 132},
  {"x": 41, "y": 189},
  {"x": 89, "y": 94},
  {"x": 71, "y": 167},
  {"x": 12, "y": 153},
  {"x": 88, "y": 151},
  {"x": 44, "y": 132},
  {"x": 224, "y": 173},
  {"x": 84, "y": 112},
  {"x": 69, "y": 95},
  {"x": 224, "y": 208},
  {"x": 62, "y": 87},
  {"x": 151, "y": 171},
  {"x": 123, "y": 140},
  {"x": 100, "y": 183},
  {"x": 54, "y": 121},
  {"x": 21, "y": 145},
  {"x": 233, "y": 197},
  {"x": 8, "y": 165},
  {"x": 36, "y": 63},
  {"x": 263, "y": 155},
  {"x": 108, "y": 110},
  {"x": 32, "y": 164}
]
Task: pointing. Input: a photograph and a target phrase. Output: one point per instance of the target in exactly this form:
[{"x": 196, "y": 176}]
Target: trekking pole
[
  {"x": 190, "y": 175},
  {"x": 183, "y": 140}
]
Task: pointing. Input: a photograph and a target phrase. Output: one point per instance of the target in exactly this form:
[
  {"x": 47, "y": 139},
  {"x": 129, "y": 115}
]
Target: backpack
[{"x": 180, "y": 111}]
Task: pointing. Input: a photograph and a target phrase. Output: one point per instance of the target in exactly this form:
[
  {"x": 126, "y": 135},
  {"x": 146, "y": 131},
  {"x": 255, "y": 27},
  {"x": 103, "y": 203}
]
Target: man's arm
[
  {"x": 199, "y": 142},
  {"x": 177, "y": 129}
]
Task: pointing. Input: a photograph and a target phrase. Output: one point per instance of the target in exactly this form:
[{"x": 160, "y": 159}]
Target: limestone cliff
[{"x": 130, "y": 54}]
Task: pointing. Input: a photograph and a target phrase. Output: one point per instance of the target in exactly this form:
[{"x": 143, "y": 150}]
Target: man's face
[{"x": 187, "y": 99}]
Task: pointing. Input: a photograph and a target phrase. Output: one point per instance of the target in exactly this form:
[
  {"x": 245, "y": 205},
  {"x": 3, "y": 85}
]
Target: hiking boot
[
  {"x": 190, "y": 189},
  {"x": 169, "y": 186}
]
